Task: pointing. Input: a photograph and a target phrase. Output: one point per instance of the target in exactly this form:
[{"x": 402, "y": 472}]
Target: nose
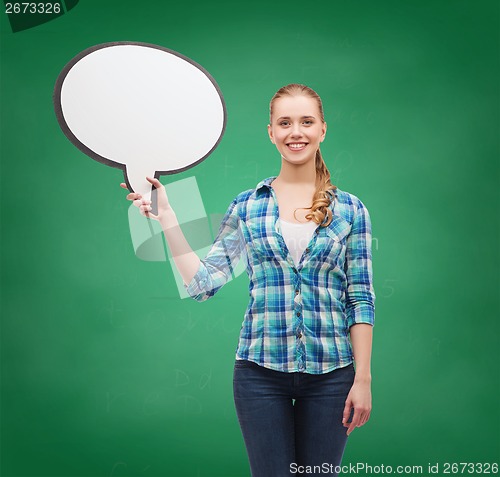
[{"x": 296, "y": 132}]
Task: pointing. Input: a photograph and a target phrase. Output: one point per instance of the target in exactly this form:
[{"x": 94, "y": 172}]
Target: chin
[{"x": 298, "y": 161}]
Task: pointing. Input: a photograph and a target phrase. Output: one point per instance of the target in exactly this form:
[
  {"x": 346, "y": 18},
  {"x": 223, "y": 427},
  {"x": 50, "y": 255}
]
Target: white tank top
[{"x": 297, "y": 236}]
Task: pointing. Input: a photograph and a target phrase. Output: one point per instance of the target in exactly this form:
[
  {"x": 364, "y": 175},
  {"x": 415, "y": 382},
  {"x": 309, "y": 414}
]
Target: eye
[
  {"x": 282, "y": 123},
  {"x": 308, "y": 121}
]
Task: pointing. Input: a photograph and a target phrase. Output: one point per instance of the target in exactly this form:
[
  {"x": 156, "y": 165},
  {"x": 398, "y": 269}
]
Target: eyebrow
[{"x": 303, "y": 117}]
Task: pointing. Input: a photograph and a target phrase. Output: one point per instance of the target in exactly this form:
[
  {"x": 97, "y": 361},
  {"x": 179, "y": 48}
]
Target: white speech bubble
[{"x": 139, "y": 107}]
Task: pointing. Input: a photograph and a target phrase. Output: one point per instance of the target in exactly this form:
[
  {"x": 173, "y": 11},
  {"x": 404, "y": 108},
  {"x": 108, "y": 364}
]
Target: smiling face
[{"x": 296, "y": 128}]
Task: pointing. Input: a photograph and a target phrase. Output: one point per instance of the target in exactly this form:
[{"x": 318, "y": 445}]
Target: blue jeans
[{"x": 281, "y": 435}]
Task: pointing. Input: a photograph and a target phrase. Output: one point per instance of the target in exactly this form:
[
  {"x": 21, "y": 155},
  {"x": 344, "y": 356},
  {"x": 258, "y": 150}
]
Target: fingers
[
  {"x": 359, "y": 419},
  {"x": 144, "y": 205},
  {"x": 347, "y": 413},
  {"x": 364, "y": 419},
  {"x": 134, "y": 196},
  {"x": 145, "y": 209},
  {"x": 355, "y": 421}
]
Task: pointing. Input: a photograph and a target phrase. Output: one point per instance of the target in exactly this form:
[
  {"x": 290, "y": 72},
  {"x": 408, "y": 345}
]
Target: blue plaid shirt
[{"x": 298, "y": 316}]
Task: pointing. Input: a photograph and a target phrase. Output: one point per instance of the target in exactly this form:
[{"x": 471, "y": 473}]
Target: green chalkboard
[{"x": 106, "y": 370}]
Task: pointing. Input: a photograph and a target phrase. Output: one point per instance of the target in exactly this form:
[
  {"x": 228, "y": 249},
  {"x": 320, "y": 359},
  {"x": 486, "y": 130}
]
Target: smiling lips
[{"x": 296, "y": 146}]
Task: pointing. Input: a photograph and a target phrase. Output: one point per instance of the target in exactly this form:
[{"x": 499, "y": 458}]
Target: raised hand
[{"x": 145, "y": 205}]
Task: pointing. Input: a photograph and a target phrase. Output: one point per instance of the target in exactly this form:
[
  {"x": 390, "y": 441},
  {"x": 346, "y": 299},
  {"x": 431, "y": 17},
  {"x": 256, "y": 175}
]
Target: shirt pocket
[
  {"x": 339, "y": 229},
  {"x": 331, "y": 242},
  {"x": 263, "y": 240}
]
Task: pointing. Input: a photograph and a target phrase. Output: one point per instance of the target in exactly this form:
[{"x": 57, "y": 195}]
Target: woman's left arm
[{"x": 360, "y": 307}]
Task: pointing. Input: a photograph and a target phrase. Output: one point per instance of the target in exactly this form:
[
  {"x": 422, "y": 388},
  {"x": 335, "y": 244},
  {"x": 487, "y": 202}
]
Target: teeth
[{"x": 297, "y": 146}]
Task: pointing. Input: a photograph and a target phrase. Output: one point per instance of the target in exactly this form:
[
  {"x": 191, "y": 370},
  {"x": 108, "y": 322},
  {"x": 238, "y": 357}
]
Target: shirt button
[
  {"x": 298, "y": 313},
  {"x": 297, "y": 292},
  {"x": 300, "y": 334},
  {"x": 294, "y": 270},
  {"x": 307, "y": 249}
]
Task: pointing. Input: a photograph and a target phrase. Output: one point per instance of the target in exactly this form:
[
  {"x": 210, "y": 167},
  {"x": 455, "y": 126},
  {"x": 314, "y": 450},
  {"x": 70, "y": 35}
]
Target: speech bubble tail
[{"x": 136, "y": 179}]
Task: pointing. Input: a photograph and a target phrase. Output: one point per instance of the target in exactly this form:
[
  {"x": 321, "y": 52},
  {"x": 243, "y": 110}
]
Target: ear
[
  {"x": 324, "y": 133},
  {"x": 270, "y": 132}
]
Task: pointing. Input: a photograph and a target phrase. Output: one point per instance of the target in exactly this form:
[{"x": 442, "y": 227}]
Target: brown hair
[{"x": 324, "y": 188}]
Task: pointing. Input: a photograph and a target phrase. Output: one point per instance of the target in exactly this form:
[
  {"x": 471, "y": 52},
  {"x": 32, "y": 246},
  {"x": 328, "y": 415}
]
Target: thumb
[
  {"x": 347, "y": 411},
  {"x": 155, "y": 182}
]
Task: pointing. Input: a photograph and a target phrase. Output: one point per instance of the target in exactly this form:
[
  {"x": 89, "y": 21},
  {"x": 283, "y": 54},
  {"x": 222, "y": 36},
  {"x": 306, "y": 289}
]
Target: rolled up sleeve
[
  {"x": 360, "y": 294},
  {"x": 217, "y": 268}
]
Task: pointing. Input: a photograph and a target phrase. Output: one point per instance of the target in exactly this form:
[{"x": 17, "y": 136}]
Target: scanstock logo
[{"x": 24, "y": 15}]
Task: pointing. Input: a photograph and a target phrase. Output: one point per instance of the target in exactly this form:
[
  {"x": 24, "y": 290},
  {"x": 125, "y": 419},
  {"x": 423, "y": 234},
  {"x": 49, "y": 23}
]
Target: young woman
[{"x": 307, "y": 249}]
